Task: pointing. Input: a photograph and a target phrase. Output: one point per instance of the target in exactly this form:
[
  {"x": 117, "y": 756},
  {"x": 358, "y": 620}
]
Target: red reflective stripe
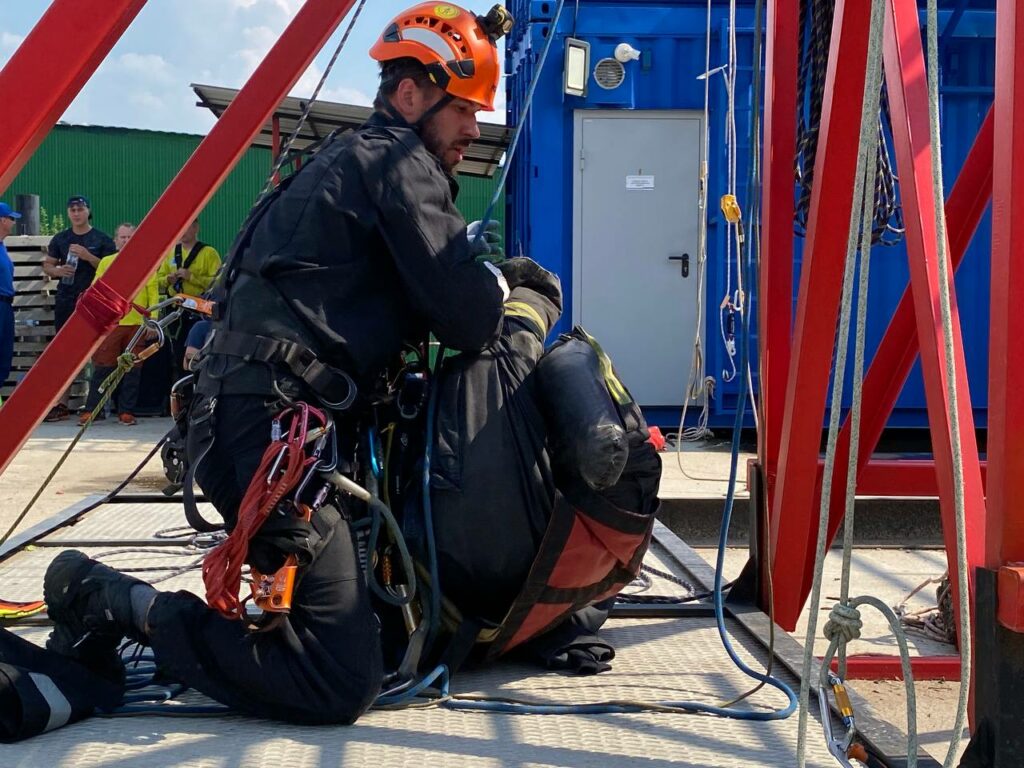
[
  {"x": 540, "y": 617},
  {"x": 591, "y": 552}
]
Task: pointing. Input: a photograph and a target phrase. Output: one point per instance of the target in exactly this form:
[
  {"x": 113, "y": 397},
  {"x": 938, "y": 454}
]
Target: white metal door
[{"x": 635, "y": 244}]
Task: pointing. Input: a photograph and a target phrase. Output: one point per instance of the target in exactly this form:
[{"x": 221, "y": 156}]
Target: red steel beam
[
  {"x": 871, "y": 666},
  {"x": 1006, "y": 345},
  {"x": 899, "y": 477},
  {"x": 181, "y": 202},
  {"x": 50, "y": 67},
  {"x": 908, "y": 100},
  {"x": 894, "y": 358},
  {"x": 776, "y": 269},
  {"x": 794, "y": 507}
]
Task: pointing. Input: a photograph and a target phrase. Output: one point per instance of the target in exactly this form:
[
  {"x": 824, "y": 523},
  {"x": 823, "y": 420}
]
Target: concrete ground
[{"x": 692, "y": 495}]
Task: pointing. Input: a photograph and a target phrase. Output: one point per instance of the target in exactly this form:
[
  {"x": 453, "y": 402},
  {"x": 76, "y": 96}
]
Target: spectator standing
[
  {"x": 105, "y": 359},
  {"x": 72, "y": 259},
  {"x": 7, "y": 219},
  {"x": 190, "y": 268}
]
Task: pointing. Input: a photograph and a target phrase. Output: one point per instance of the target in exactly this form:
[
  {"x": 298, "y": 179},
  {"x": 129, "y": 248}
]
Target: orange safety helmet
[{"x": 456, "y": 47}]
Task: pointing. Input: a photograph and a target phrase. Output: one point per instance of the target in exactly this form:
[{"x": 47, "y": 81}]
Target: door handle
[{"x": 684, "y": 265}]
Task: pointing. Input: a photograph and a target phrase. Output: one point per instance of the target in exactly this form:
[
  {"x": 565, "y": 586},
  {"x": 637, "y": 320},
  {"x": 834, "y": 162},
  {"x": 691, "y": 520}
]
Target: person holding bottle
[{"x": 72, "y": 258}]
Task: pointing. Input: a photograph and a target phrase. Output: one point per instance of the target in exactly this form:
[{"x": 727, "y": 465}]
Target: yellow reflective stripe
[
  {"x": 524, "y": 310},
  {"x": 618, "y": 392}
]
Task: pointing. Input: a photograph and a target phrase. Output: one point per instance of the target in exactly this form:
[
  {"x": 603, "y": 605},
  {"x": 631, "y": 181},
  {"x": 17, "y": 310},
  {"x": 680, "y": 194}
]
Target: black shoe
[{"x": 90, "y": 606}]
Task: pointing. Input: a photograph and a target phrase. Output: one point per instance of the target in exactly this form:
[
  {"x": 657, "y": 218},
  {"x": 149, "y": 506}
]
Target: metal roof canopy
[{"x": 481, "y": 158}]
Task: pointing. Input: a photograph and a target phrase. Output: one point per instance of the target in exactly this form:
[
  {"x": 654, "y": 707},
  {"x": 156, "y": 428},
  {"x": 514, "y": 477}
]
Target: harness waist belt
[{"x": 333, "y": 386}]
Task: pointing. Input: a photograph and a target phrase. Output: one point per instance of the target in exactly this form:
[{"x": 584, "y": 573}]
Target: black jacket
[{"x": 360, "y": 251}]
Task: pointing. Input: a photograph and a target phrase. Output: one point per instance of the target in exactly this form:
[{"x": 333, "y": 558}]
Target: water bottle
[{"x": 70, "y": 261}]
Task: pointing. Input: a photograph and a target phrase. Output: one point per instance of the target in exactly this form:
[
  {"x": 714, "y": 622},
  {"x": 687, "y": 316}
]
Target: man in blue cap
[{"x": 7, "y": 219}]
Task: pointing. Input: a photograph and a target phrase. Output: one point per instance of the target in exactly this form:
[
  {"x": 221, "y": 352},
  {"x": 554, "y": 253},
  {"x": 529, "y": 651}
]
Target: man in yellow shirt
[
  {"x": 190, "y": 268},
  {"x": 105, "y": 358}
]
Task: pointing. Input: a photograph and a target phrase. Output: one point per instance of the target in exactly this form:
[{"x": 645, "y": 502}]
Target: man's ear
[{"x": 407, "y": 99}]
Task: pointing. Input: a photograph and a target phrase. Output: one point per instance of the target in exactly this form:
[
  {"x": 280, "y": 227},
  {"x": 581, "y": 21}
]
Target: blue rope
[
  {"x": 408, "y": 696},
  {"x": 428, "y": 515}
]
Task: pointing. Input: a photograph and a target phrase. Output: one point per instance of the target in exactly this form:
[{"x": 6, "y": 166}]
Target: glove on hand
[
  {"x": 485, "y": 243},
  {"x": 525, "y": 272}
]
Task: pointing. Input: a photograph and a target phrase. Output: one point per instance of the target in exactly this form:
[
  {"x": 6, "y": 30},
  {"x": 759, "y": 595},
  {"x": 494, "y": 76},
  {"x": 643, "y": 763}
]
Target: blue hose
[{"x": 428, "y": 516}]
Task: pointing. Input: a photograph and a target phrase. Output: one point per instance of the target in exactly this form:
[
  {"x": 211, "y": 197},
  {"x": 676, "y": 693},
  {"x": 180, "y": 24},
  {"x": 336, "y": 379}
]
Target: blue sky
[{"x": 144, "y": 82}]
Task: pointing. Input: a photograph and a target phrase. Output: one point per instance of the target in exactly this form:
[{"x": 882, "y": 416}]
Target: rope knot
[{"x": 843, "y": 622}]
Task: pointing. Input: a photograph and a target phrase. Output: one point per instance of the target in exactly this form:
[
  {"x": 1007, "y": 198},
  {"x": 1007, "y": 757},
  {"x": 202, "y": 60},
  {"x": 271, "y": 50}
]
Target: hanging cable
[
  {"x": 815, "y": 35},
  {"x": 283, "y": 154},
  {"x": 697, "y": 382},
  {"x": 844, "y": 620},
  {"x": 949, "y": 351},
  {"x": 527, "y": 103}
]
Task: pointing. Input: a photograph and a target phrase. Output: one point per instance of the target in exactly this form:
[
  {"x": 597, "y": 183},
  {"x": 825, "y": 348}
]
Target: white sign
[{"x": 639, "y": 182}]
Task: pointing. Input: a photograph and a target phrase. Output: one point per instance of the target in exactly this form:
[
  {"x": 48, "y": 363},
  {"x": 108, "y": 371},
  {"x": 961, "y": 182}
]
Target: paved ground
[{"x": 110, "y": 451}]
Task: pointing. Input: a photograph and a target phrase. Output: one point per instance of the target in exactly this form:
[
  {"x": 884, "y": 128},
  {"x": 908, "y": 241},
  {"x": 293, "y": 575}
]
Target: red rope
[
  {"x": 102, "y": 307},
  {"x": 279, "y": 472}
]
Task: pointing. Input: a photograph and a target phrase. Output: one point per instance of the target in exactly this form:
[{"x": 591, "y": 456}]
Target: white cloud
[
  {"x": 10, "y": 42},
  {"x": 148, "y": 66}
]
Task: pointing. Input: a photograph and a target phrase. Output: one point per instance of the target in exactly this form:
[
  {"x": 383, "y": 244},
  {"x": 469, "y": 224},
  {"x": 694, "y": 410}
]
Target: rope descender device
[{"x": 843, "y": 748}]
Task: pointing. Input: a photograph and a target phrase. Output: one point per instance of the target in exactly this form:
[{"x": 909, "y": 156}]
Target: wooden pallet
[{"x": 33, "y": 312}]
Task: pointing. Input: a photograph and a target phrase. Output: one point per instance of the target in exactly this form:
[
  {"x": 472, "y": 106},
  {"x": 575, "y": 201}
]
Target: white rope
[
  {"x": 951, "y": 390},
  {"x": 845, "y": 622},
  {"x": 697, "y": 385}
]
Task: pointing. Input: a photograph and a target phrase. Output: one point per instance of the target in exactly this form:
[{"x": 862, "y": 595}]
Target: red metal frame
[
  {"x": 180, "y": 203},
  {"x": 45, "y": 74},
  {"x": 776, "y": 269},
  {"x": 794, "y": 506},
  {"x": 912, "y": 478},
  {"x": 795, "y": 501},
  {"x": 1006, "y": 347},
  {"x": 878, "y": 667},
  {"x": 1004, "y": 549},
  {"x": 908, "y": 104},
  {"x": 889, "y": 369}
]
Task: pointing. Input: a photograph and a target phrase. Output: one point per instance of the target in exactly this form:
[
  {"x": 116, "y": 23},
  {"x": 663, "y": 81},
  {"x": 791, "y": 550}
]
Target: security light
[{"x": 577, "y": 66}]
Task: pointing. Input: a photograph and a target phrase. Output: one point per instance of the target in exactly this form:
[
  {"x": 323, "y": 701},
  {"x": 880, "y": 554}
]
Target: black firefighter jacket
[{"x": 360, "y": 251}]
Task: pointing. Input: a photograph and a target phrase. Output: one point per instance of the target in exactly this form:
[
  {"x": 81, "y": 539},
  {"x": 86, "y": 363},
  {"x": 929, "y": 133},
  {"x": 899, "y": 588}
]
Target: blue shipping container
[{"x": 670, "y": 36}]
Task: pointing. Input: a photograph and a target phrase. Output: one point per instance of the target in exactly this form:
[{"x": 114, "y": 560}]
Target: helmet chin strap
[{"x": 417, "y": 126}]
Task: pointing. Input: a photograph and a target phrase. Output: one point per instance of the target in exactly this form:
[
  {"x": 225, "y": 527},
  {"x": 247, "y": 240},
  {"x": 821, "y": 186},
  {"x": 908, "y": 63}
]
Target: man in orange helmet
[{"x": 353, "y": 256}]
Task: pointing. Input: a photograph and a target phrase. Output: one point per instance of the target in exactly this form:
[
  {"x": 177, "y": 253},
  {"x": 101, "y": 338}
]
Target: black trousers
[{"x": 322, "y": 663}]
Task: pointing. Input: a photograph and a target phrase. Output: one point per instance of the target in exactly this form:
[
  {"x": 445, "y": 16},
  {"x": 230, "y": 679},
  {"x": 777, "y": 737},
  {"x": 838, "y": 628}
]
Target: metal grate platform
[{"x": 657, "y": 658}]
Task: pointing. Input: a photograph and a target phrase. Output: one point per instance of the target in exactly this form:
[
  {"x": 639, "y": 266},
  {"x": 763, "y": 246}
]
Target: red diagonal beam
[
  {"x": 1006, "y": 344},
  {"x": 898, "y": 349},
  {"x": 776, "y": 269},
  {"x": 908, "y": 101},
  {"x": 50, "y": 67},
  {"x": 794, "y": 507},
  {"x": 184, "y": 198}
]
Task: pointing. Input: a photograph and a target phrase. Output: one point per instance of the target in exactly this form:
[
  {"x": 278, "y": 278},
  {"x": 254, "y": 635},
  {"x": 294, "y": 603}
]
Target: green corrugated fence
[{"x": 124, "y": 171}]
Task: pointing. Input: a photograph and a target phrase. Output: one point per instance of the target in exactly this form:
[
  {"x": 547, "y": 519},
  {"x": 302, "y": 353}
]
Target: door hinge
[{"x": 582, "y": 159}]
